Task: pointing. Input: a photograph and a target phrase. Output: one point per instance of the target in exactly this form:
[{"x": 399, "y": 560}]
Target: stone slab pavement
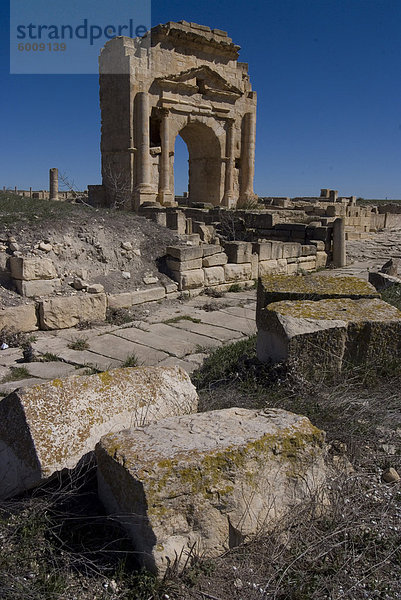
[{"x": 169, "y": 333}]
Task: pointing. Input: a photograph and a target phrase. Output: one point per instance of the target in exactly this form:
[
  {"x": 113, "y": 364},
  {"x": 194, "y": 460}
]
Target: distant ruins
[{"x": 179, "y": 79}]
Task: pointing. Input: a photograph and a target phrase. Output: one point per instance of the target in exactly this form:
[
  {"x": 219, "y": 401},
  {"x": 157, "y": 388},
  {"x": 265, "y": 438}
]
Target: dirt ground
[{"x": 96, "y": 245}]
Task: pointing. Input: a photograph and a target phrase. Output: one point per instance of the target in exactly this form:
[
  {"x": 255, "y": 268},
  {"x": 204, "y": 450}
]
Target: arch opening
[{"x": 204, "y": 163}]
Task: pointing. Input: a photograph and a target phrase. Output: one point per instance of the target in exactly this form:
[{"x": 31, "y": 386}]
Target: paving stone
[
  {"x": 169, "y": 339},
  {"x": 3, "y": 372},
  {"x": 50, "y": 370},
  {"x": 10, "y": 356},
  {"x": 171, "y": 361},
  {"x": 10, "y": 386},
  {"x": 242, "y": 311},
  {"x": 120, "y": 348},
  {"x": 212, "y": 331},
  {"x": 222, "y": 319},
  {"x": 87, "y": 358}
]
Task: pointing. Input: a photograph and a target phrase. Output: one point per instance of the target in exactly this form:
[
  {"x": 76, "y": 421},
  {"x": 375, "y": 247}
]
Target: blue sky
[{"x": 328, "y": 78}]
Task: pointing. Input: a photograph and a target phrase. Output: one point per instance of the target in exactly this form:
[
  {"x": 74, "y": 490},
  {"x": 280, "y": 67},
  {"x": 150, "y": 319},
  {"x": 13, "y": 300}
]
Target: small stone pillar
[
  {"x": 15, "y": 190},
  {"x": 248, "y": 166},
  {"x": 228, "y": 198},
  {"x": 30, "y": 192},
  {"x": 333, "y": 195},
  {"x": 165, "y": 196},
  {"x": 339, "y": 250},
  {"x": 53, "y": 174}
]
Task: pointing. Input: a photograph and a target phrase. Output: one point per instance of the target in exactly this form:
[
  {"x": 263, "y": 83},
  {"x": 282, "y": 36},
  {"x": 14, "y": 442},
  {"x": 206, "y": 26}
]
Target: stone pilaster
[
  {"x": 165, "y": 195},
  {"x": 248, "y": 157},
  {"x": 228, "y": 198},
  {"x": 143, "y": 191}
]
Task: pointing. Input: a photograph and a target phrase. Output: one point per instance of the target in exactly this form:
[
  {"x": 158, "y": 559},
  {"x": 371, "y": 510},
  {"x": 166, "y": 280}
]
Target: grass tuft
[
  {"x": 80, "y": 343},
  {"x": 16, "y": 374}
]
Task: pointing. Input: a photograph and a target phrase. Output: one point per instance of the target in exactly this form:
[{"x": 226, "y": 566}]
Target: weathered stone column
[
  {"x": 339, "y": 250},
  {"x": 53, "y": 174},
  {"x": 165, "y": 196},
  {"x": 143, "y": 189},
  {"x": 228, "y": 198},
  {"x": 248, "y": 163}
]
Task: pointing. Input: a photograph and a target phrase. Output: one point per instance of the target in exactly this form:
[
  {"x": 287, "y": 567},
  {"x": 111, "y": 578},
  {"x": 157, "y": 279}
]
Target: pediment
[{"x": 203, "y": 80}]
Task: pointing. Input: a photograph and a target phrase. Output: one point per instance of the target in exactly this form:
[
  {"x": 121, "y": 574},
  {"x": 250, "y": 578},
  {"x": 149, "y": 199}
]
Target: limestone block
[
  {"x": 67, "y": 311},
  {"x": 308, "y": 250},
  {"x": 321, "y": 259},
  {"x": 184, "y": 265},
  {"x": 215, "y": 260},
  {"x": 321, "y": 337},
  {"x": 238, "y": 272},
  {"x": 176, "y": 220},
  {"x": 19, "y": 318},
  {"x": 30, "y": 268},
  {"x": 254, "y": 266},
  {"x": 308, "y": 346},
  {"x": 182, "y": 253},
  {"x": 52, "y": 426},
  {"x": 382, "y": 280},
  {"x": 277, "y": 250},
  {"x": 263, "y": 250},
  {"x": 259, "y": 219},
  {"x": 38, "y": 287},
  {"x": 188, "y": 280},
  {"x": 128, "y": 299},
  {"x": 267, "y": 267},
  {"x": 291, "y": 250},
  {"x": 206, "y": 232},
  {"x": 208, "y": 480},
  {"x": 313, "y": 286},
  {"x": 320, "y": 246},
  {"x": 292, "y": 267},
  {"x": 209, "y": 249},
  {"x": 214, "y": 275},
  {"x": 238, "y": 252},
  {"x": 306, "y": 263}
]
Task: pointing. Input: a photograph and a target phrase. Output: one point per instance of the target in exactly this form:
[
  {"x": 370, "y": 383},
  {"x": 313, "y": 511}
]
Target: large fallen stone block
[
  {"x": 319, "y": 338},
  {"x": 209, "y": 480},
  {"x": 67, "y": 311},
  {"x": 29, "y": 268},
  {"x": 19, "y": 318},
  {"x": 312, "y": 286},
  {"x": 50, "y": 427},
  {"x": 381, "y": 281}
]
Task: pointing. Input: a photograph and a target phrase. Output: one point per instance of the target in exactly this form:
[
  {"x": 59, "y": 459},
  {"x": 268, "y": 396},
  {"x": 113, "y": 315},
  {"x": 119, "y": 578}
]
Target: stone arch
[
  {"x": 205, "y": 161},
  {"x": 197, "y": 89}
]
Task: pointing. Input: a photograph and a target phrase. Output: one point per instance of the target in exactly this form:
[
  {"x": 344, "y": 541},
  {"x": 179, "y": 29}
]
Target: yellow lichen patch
[
  {"x": 315, "y": 284},
  {"x": 343, "y": 309}
]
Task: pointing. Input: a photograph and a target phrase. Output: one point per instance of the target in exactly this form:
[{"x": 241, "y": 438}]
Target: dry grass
[{"x": 57, "y": 543}]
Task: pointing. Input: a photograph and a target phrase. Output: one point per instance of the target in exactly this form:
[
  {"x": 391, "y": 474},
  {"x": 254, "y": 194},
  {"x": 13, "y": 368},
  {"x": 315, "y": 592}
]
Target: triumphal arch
[{"x": 179, "y": 79}]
